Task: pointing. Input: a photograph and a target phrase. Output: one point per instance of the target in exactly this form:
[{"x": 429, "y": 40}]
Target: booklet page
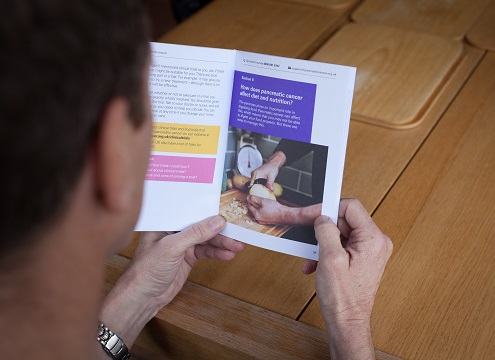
[
  {"x": 299, "y": 107},
  {"x": 190, "y": 89}
]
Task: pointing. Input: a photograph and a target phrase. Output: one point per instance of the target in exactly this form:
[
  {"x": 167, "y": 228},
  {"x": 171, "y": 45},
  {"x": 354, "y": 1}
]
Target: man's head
[{"x": 62, "y": 64}]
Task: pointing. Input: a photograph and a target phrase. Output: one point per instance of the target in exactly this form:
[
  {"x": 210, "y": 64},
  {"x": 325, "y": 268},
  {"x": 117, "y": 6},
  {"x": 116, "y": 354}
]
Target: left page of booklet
[{"x": 190, "y": 90}]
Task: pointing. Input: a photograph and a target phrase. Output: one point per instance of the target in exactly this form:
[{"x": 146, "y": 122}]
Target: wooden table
[{"x": 430, "y": 188}]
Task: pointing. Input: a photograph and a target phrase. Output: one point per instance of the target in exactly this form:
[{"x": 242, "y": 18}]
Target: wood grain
[
  {"x": 261, "y": 26},
  {"x": 204, "y": 324},
  {"x": 450, "y": 19},
  {"x": 326, "y": 4},
  {"x": 441, "y": 275},
  {"x": 437, "y": 296},
  {"x": 369, "y": 160},
  {"x": 261, "y": 277},
  {"x": 483, "y": 32},
  {"x": 377, "y": 155},
  {"x": 399, "y": 72}
]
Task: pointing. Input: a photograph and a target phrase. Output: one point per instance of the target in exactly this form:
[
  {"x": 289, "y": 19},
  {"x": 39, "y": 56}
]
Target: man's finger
[
  {"x": 353, "y": 215},
  {"x": 254, "y": 176},
  {"x": 211, "y": 252},
  {"x": 309, "y": 266},
  {"x": 149, "y": 237},
  {"x": 355, "y": 219},
  {"x": 269, "y": 185},
  {"x": 224, "y": 242},
  {"x": 254, "y": 201},
  {"x": 328, "y": 236},
  {"x": 198, "y": 233}
]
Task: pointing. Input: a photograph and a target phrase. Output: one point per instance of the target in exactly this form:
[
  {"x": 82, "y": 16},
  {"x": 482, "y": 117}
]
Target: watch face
[{"x": 248, "y": 159}]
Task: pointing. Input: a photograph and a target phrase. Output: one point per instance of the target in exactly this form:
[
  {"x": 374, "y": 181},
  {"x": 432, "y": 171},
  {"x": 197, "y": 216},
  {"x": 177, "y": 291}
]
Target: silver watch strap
[{"x": 112, "y": 344}]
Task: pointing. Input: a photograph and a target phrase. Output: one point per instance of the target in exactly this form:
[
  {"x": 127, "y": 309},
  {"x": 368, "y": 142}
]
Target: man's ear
[{"x": 112, "y": 158}]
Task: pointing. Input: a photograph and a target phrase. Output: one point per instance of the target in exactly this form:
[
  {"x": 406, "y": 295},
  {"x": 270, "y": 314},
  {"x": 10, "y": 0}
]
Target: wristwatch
[{"x": 112, "y": 344}]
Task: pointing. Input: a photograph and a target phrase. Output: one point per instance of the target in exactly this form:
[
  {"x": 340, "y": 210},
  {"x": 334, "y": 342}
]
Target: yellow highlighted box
[{"x": 185, "y": 138}]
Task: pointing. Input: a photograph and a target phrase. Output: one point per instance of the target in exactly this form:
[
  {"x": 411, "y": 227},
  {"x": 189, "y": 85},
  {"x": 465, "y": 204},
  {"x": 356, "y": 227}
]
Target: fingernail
[
  {"x": 305, "y": 267},
  {"x": 321, "y": 219},
  {"x": 216, "y": 223}
]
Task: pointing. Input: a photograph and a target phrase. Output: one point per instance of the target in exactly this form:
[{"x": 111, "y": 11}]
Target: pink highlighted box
[{"x": 181, "y": 169}]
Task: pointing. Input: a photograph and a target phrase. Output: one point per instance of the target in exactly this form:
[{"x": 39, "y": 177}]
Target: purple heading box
[{"x": 272, "y": 106}]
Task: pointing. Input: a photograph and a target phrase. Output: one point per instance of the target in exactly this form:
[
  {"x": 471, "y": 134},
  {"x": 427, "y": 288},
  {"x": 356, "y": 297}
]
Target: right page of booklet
[{"x": 301, "y": 108}]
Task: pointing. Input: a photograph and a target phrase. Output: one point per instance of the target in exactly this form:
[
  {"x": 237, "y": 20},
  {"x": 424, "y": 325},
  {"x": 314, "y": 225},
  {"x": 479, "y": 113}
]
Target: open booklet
[{"x": 218, "y": 116}]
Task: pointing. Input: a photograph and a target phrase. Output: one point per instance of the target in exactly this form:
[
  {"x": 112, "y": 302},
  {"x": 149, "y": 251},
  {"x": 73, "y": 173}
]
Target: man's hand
[
  {"x": 351, "y": 261},
  {"x": 269, "y": 212},
  {"x": 159, "y": 269},
  {"x": 266, "y": 211},
  {"x": 269, "y": 170},
  {"x": 163, "y": 262}
]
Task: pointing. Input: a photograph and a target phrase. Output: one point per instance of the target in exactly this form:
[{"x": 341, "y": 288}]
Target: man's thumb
[
  {"x": 201, "y": 231},
  {"x": 328, "y": 236}
]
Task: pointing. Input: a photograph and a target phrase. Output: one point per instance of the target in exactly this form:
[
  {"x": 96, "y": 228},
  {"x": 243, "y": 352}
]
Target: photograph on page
[{"x": 285, "y": 179}]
